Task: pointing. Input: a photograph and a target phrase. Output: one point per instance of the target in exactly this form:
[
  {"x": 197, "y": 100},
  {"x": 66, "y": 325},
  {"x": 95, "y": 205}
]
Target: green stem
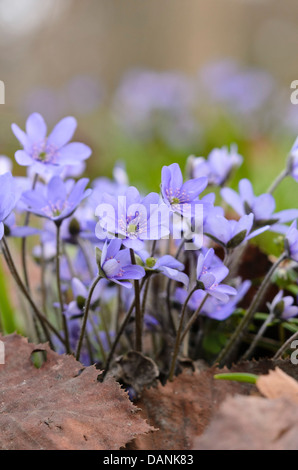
[
  {"x": 85, "y": 317},
  {"x": 64, "y": 321},
  {"x": 241, "y": 329},
  {"x": 278, "y": 180},
  {"x": 258, "y": 336}
]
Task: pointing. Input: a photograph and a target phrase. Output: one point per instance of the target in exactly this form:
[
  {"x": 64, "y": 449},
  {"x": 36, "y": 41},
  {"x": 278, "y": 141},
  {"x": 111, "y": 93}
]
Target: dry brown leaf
[
  {"x": 252, "y": 423},
  {"x": 183, "y": 408},
  {"x": 278, "y": 384},
  {"x": 61, "y": 405}
]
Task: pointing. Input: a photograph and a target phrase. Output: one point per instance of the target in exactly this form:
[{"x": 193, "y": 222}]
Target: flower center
[
  {"x": 53, "y": 210},
  {"x": 132, "y": 228},
  {"x": 150, "y": 262},
  {"x": 177, "y": 196},
  {"x": 44, "y": 152},
  {"x": 175, "y": 200}
]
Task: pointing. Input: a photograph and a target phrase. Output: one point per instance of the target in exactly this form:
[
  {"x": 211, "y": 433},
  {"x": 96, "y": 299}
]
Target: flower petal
[
  {"x": 20, "y": 135},
  {"x": 23, "y": 158},
  {"x": 233, "y": 199},
  {"x": 73, "y": 153},
  {"x": 36, "y": 128},
  {"x": 63, "y": 132}
]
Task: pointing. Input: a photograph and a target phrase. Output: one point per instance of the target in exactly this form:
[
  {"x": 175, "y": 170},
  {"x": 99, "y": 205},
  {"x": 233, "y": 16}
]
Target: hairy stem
[
  {"x": 285, "y": 346},
  {"x": 138, "y": 316},
  {"x": 24, "y": 242},
  {"x": 258, "y": 336},
  {"x": 278, "y": 180},
  {"x": 178, "y": 335},
  {"x": 42, "y": 318},
  {"x": 168, "y": 291},
  {"x": 193, "y": 318},
  {"x": 58, "y": 280},
  {"x": 241, "y": 329},
  {"x": 85, "y": 317},
  {"x": 119, "y": 334}
]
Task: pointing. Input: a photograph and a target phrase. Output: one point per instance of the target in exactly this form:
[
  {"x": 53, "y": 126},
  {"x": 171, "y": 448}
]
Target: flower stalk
[{"x": 242, "y": 327}]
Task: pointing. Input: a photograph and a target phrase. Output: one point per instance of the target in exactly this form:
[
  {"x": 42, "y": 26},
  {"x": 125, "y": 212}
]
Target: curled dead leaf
[{"x": 135, "y": 370}]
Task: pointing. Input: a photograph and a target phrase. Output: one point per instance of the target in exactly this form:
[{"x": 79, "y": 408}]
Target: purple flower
[
  {"x": 218, "y": 167},
  {"x": 167, "y": 265},
  {"x": 115, "y": 264},
  {"x": 132, "y": 218},
  {"x": 262, "y": 207},
  {"x": 177, "y": 195},
  {"x": 214, "y": 308},
  {"x": 80, "y": 293},
  {"x": 50, "y": 153},
  {"x": 292, "y": 166},
  {"x": 5, "y": 164},
  {"x": 209, "y": 277},
  {"x": 13, "y": 230},
  {"x": 56, "y": 201},
  {"x": 291, "y": 242},
  {"x": 282, "y": 307},
  {"x": 9, "y": 195},
  {"x": 231, "y": 233}
]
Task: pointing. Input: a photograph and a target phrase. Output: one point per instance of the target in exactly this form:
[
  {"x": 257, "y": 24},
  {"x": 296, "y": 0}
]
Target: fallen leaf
[
  {"x": 278, "y": 384},
  {"x": 252, "y": 423},
  {"x": 61, "y": 406},
  {"x": 182, "y": 409}
]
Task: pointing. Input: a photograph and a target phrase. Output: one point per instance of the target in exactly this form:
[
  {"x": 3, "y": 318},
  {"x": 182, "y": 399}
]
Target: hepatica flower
[
  {"x": 231, "y": 233},
  {"x": 11, "y": 229},
  {"x": 167, "y": 265},
  {"x": 293, "y": 161},
  {"x": 56, "y": 201},
  {"x": 115, "y": 264},
  {"x": 209, "y": 277},
  {"x": 262, "y": 207},
  {"x": 179, "y": 196},
  {"x": 80, "y": 293},
  {"x": 49, "y": 153},
  {"x": 5, "y": 164},
  {"x": 214, "y": 308},
  {"x": 282, "y": 307},
  {"x": 9, "y": 195},
  {"x": 132, "y": 218},
  {"x": 291, "y": 242},
  {"x": 218, "y": 166}
]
